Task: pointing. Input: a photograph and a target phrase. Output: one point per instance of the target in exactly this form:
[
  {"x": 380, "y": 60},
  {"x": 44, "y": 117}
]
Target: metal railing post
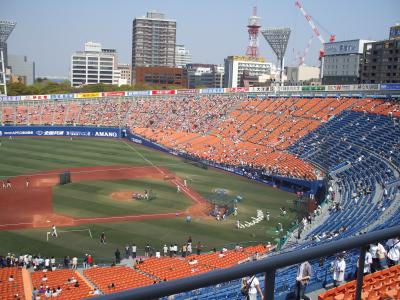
[
  {"x": 269, "y": 286},
  {"x": 360, "y": 272}
]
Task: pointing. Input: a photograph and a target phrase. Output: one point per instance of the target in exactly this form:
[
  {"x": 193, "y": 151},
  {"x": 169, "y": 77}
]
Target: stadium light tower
[
  {"x": 278, "y": 39},
  {"x": 6, "y": 28},
  {"x": 253, "y": 30}
]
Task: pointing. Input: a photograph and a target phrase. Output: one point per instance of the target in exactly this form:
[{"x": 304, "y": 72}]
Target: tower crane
[{"x": 315, "y": 30}]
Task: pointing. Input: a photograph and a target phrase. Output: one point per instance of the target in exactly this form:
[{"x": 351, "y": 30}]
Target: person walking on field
[
  {"x": 103, "y": 238},
  {"x": 54, "y": 231}
]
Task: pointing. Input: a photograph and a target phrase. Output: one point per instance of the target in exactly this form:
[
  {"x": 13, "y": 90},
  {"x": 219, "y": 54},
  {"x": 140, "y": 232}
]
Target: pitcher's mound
[
  {"x": 129, "y": 195},
  {"x": 47, "y": 220}
]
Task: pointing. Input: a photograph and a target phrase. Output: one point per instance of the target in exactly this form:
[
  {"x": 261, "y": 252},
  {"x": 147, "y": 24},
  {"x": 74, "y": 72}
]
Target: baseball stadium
[{"x": 123, "y": 190}]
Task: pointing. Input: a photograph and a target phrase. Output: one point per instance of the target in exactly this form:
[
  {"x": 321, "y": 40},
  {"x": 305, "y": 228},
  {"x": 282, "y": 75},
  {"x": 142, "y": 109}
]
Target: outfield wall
[{"x": 69, "y": 131}]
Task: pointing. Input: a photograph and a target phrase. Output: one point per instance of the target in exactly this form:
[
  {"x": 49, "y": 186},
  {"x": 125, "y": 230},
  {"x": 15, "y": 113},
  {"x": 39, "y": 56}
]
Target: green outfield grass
[{"x": 25, "y": 155}]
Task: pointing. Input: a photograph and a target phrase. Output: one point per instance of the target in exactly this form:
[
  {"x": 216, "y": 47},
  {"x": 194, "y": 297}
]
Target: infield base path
[{"x": 28, "y": 202}]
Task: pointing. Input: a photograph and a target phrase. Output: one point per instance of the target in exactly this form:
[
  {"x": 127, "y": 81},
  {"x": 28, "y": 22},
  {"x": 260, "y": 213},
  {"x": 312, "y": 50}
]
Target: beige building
[
  {"x": 302, "y": 75},
  {"x": 125, "y": 74}
]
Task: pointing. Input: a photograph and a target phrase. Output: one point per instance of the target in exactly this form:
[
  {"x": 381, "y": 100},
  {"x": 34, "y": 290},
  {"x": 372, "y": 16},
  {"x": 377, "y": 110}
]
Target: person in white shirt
[
  {"x": 254, "y": 287},
  {"x": 165, "y": 249},
  {"x": 74, "y": 262},
  {"x": 339, "y": 267},
  {"x": 47, "y": 263},
  {"x": 393, "y": 252},
  {"x": 367, "y": 263},
  {"x": 134, "y": 251},
  {"x": 54, "y": 231}
]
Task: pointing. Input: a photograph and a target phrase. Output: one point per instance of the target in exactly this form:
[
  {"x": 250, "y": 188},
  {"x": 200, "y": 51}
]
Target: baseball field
[{"x": 104, "y": 175}]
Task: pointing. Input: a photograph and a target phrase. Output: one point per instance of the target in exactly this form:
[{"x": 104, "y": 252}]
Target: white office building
[
  {"x": 94, "y": 65},
  {"x": 342, "y": 60},
  {"x": 182, "y": 56},
  {"x": 236, "y": 66}
]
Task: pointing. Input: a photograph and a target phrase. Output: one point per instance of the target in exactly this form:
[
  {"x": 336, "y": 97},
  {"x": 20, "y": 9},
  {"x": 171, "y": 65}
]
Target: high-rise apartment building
[
  {"x": 153, "y": 41},
  {"x": 94, "y": 65},
  {"x": 381, "y": 60}
]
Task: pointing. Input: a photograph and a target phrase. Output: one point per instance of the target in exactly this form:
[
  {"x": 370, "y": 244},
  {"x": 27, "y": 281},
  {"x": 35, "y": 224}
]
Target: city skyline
[{"x": 210, "y": 30}]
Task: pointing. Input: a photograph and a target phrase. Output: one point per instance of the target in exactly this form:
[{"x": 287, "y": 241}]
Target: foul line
[
  {"x": 178, "y": 213},
  {"x": 16, "y": 224},
  {"x": 144, "y": 158}
]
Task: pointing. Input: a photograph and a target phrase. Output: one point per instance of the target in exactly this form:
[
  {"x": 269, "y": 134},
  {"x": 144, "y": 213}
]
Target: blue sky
[{"x": 49, "y": 31}]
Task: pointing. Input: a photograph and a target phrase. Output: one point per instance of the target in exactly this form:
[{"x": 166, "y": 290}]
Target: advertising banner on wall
[
  {"x": 313, "y": 88},
  {"x": 62, "y": 96},
  {"x": 106, "y": 132},
  {"x": 390, "y": 86},
  {"x": 237, "y": 90},
  {"x": 137, "y": 93},
  {"x": 261, "y": 89},
  {"x": 87, "y": 95},
  {"x": 10, "y": 98},
  {"x": 288, "y": 88},
  {"x": 113, "y": 94},
  {"x": 334, "y": 88},
  {"x": 41, "y": 97},
  {"x": 188, "y": 91},
  {"x": 212, "y": 91},
  {"x": 365, "y": 87},
  {"x": 163, "y": 92}
]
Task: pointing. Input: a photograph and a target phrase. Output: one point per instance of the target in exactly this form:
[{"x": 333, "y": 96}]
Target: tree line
[{"x": 42, "y": 86}]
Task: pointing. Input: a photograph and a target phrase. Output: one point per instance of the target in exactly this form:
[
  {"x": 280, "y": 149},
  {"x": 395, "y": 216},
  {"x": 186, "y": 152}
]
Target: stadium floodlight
[
  {"x": 6, "y": 28},
  {"x": 278, "y": 39}
]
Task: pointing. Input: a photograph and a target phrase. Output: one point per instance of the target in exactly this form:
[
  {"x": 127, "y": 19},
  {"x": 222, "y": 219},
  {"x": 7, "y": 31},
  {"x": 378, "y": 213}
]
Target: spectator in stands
[
  {"x": 66, "y": 262},
  {"x": 84, "y": 263},
  {"x": 11, "y": 278},
  {"x": 254, "y": 287},
  {"x": 378, "y": 253},
  {"x": 76, "y": 284},
  {"x": 74, "y": 263},
  {"x": 134, "y": 251},
  {"x": 198, "y": 248},
  {"x": 367, "y": 263},
  {"x": 95, "y": 292},
  {"x": 393, "y": 252},
  {"x": 339, "y": 267},
  {"x": 127, "y": 251},
  {"x": 117, "y": 256},
  {"x": 44, "y": 278},
  {"x": 111, "y": 285},
  {"x": 147, "y": 250},
  {"x": 48, "y": 293},
  {"x": 34, "y": 293},
  {"x": 90, "y": 260},
  {"x": 303, "y": 277}
]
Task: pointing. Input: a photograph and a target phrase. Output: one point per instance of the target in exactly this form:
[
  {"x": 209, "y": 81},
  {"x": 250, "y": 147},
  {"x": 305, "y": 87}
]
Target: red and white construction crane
[
  {"x": 303, "y": 56},
  {"x": 332, "y": 37}
]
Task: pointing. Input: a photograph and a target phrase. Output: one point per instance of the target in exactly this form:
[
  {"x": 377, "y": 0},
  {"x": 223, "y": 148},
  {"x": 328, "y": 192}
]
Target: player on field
[
  {"x": 103, "y": 238},
  {"x": 54, "y": 231}
]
